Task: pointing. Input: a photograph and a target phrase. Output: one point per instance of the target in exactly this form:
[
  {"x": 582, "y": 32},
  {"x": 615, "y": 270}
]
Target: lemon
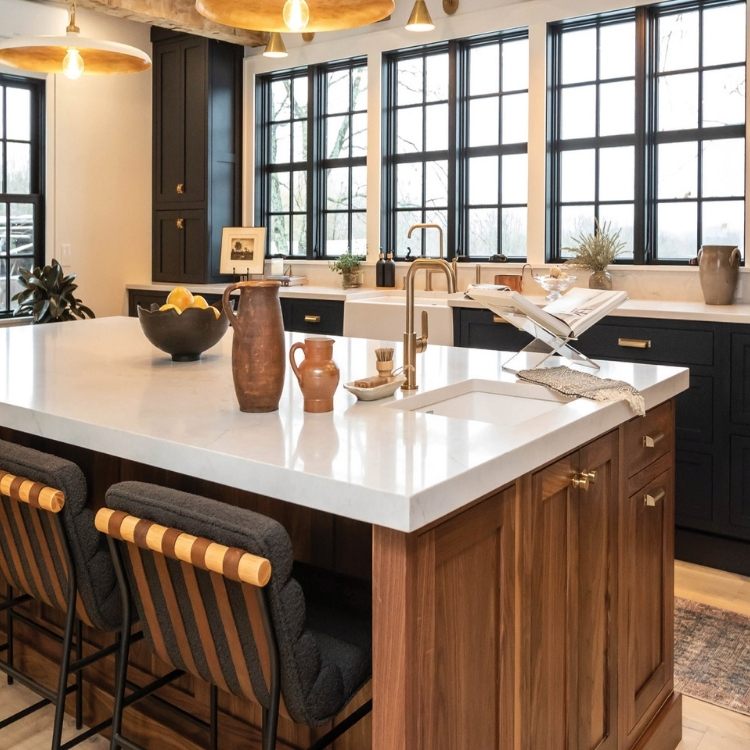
[
  {"x": 180, "y": 298},
  {"x": 169, "y": 306},
  {"x": 199, "y": 301},
  {"x": 217, "y": 312}
]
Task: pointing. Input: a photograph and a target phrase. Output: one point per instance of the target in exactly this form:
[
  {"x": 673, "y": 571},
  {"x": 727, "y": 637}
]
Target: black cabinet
[
  {"x": 712, "y": 463},
  {"x": 197, "y": 141}
]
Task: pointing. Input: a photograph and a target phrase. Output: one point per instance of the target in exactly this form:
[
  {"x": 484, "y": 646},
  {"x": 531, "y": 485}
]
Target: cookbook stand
[{"x": 545, "y": 344}]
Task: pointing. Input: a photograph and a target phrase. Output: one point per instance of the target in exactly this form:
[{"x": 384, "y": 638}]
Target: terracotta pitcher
[
  {"x": 318, "y": 375},
  {"x": 258, "y": 361},
  {"x": 719, "y": 270}
]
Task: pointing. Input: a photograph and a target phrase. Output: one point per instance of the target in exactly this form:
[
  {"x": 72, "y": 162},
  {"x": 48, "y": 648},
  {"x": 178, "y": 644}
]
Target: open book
[{"x": 567, "y": 317}]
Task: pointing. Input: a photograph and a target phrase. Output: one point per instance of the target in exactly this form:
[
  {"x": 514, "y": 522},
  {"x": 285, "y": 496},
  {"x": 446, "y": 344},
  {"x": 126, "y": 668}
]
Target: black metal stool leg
[
  {"x": 213, "y": 717},
  {"x": 9, "y": 632},
  {"x": 62, "y": 684},
  {"x": 79, "y": 675}
]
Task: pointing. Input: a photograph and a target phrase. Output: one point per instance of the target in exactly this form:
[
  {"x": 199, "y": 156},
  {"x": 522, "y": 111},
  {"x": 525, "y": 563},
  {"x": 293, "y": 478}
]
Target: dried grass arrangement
[{"x": 595, "y": 251}]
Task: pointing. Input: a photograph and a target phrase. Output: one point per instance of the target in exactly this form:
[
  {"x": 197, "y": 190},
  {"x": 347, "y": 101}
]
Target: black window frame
[
  {"x": 315, "y": 165},
  {"x": 458, "y": 152},
  {"x": 646, "y": 137},
  {"x": 35, "y": 197}
]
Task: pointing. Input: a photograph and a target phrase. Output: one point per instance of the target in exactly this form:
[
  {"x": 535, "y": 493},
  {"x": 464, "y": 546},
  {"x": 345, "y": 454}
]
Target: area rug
[{"x": 712, "y": 655}]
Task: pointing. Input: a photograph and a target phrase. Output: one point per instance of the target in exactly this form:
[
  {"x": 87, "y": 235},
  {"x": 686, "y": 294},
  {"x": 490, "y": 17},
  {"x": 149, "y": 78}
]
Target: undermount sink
[
  {"x": 508, "y": 404},
  {"x": 383, "y": 317}
]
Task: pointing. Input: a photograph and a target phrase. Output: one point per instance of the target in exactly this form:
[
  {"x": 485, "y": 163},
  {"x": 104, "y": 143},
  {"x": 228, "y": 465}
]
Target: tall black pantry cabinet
[{"x": 197, "y": 156}]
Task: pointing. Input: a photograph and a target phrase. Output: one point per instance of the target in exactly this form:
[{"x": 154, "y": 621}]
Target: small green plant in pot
[
  {"x": 594, "y": 251},
  {"x": 47, "y": 295},
  {"x": 348, "y": 266}
]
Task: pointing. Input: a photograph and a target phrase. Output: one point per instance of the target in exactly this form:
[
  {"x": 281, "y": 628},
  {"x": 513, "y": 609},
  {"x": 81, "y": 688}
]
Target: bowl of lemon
[{"x": 185, "y": 327}]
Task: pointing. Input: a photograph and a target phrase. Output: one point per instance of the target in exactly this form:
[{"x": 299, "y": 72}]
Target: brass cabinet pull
[
  {"x": 498, "y": 319},
  {"x": 180, "y": 223},
  {"x": 651, "y": 498},
  {"x": 180, "y": 189},
  {"x": 650, "y": 441},
  {"x": 583, "y": 480},
  {"x": 634, "y": 343},
  {"x": 312, "y": 318}
]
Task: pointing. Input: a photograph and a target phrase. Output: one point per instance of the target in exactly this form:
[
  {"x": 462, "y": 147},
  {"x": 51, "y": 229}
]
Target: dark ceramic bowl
[{"x": 185, "y": 336}]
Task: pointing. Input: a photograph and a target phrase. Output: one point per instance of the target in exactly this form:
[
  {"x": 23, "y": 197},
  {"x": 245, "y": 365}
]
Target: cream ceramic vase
[{"x": 719, "y": 269}]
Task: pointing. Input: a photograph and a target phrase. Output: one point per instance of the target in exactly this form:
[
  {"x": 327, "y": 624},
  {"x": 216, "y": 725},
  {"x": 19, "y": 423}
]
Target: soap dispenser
[
  {"x": 380, "y": 270},
  {"x": 389, "y": 271}
]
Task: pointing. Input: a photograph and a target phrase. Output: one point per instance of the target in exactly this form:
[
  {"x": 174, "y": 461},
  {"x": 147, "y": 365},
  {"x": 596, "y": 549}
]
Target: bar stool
[
  {"x": 214, "y": 589},
  {"x": 51, "y": 552}
]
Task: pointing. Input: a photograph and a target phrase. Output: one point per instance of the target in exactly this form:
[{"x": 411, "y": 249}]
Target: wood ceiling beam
[{"x": 177, "y": 15}]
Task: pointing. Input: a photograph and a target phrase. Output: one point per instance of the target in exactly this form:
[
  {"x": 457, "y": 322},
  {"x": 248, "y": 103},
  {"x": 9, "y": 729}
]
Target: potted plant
[
  {"x": 47, "y": 295},
  {"x": 348, "y": 266},
  {"x": 595, "y": 251}
]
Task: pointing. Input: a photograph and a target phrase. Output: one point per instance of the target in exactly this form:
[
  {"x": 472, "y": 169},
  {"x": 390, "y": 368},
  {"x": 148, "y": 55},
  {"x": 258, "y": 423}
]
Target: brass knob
[
  {"x": 181, "y": 189},
  {"x": 180, "y": 223},
  {"x": 650, "y": 441},
  {"x": 650, "y": 499},
  {"x": 583, "y": 480},
  {"x": 312, "y": 318}
]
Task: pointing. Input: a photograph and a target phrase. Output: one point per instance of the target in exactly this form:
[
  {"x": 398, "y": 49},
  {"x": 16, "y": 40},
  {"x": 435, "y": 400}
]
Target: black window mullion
[{"x": 455, "y": 92}]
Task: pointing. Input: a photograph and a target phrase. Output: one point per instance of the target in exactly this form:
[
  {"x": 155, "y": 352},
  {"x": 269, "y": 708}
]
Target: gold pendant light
[
  {"x": 269, "y": 15},
  {"x": 72, "y": 54},
  {"x": 420, "y": 18},
  {"x": 275, "y": 46}
]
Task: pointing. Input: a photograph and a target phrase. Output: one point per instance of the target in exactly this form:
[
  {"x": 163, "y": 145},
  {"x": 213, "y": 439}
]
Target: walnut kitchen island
[{"x": 520, "y": 552}]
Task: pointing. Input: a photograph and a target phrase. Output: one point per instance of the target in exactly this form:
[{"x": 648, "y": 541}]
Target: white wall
[
  {"x": 98, "y": 193},
  {"x": 472, "y": 17}
]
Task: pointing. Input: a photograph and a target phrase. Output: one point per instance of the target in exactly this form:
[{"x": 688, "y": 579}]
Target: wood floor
[{"x": 705, "y": 727}]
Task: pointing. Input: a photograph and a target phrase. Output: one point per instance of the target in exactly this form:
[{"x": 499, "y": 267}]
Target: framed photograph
[{"x": 243, "y": 250}]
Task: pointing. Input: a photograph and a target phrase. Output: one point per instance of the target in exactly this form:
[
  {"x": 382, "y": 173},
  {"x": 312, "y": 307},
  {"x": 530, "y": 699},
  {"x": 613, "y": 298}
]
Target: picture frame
[{"x": 243, "y": 250}]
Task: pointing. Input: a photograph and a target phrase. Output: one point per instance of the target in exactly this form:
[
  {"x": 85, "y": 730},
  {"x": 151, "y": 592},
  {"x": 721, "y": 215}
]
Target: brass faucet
[
  {"x": 412, "y": 344},
  {"x": 428, "y": 226}
]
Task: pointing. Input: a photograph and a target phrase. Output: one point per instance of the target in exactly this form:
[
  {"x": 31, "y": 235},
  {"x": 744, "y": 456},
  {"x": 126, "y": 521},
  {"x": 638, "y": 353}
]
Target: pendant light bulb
[
  {"x": 296, "y": 14},
  {"x": 275, "y": 46},
  {"x": 420, "y": 19},
  {"x": 73, "y": 65}
]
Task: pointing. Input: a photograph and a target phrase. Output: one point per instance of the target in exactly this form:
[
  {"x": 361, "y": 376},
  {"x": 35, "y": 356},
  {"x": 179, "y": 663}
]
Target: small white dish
[{"x": 378, "y": 392}]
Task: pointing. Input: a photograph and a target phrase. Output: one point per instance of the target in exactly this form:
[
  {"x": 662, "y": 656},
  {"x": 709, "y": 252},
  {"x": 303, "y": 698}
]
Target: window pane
[
  {"x": 337, "y": 137},
  {"x": 724, "y": 223},
  {"x": 409, "y": 78},
  {"x": 516, "y": 65},
  {"x": 482, "y": 232},
  {"x": 437, "y": 78},
  {"x": 280, "y": 182},
  {"x": 678, "y": 229},
  {"x": 409, "y": 130},
  {"x": 280, "y": 103},
  {"x": 337, "y": 234},
  {"x": 484, "y": 122},
  {"x": 18, "y": 114},
  {"x": 2, "y": 190},
  {"x": 19, "y": 167},
  {"x": 280, "y": 144},
  {"x": 724, "y": 34},
  {"x": 617, "y": 174},
  {"x": 21, "y": 229},
  {"x": 620, "y": 217},
  {"x": 574, "y": 221},
  {"x": 617, "y": 108},
  {"x": 359, "y": 187},
  {"x": 279, "y": 235},
  {"x": 514, "y": 232},
  {"x": 359, "y": 233},
  {"x": 409, "y": 185},
  {"x": 678, "y": 101},
  {"x": 515, "y": 178},
  {"x": 299, "y": 188},
  {"x": 724, "y": 97},
  {"x": 405, "y": 219},
  {"x": 483, "y": 180},
  {"x": 577, "y": 175},
  {"x": 299, "y": 236},
  {"x": 299, "y": 90},
  {"x": 359, "y": 134},
  {"x": 337, "y": 189},
  {"x": 359, "y": 89},
  {"x": 617, "y": 50},
  {"x": 579, "y": 112},
  {"x": 484, "y": 70},
  {"x": 432, "y": 239},
  {"x": 436, "y": 184},
  {"x": 516, "y": 118},
  {"x": 724, "y": 168},
  {"x": 299, "y": 131},
  {"x": 437, "y": 132},
  {"x": 15, "y": 269},
  {"x": 2, "y": 120},
  {"x": 678, "y": 41},
  {"x": 338, "y": 91},
  {"x": 579, "y": 56},
  {"x": 678, "y": 170}
]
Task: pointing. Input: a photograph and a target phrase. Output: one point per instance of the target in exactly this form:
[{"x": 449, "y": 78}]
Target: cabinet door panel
[
  {"x": 167, "y": 246},
  {"x": 196, "y": 118},
  {"x": 694, "y": 486},
  {"x": 740, "y": 474},
  {"x": 740, "y": 398},
  {"x": 169, "y": 122},
  {"x": 194, "y": 261},
  {"x": 694, "y": 411}
]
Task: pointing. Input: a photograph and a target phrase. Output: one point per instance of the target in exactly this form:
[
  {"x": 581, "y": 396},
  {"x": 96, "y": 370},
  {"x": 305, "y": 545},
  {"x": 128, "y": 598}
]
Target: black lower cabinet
[{"x": 712, "y": 467}]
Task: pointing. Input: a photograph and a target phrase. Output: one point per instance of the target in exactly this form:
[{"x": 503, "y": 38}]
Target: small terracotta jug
[
  {"x": 318, "y": 374},
  {"x": 258, "y": 349}
]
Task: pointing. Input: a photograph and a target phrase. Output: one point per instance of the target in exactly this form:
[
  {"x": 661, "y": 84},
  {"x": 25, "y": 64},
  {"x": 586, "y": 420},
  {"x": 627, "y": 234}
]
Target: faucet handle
[{"x": 422, "y": 340}]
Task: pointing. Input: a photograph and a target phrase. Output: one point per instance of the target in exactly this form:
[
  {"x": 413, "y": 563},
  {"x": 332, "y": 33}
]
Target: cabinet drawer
[
  {"x": 313, "y": 316},
  {"x": 645, "y": 344},
  {"x": 648, "y": 438},
  {"x": 144, "y": 299}
]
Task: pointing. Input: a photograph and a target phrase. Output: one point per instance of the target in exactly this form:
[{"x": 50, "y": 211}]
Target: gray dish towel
[{"x": 575, "y": 383}]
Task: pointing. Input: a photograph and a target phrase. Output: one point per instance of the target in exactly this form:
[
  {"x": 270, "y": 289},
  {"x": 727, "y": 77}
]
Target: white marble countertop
[
  {"x": 302, "y": 291},
  {"x": 101, "y": 385}
]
